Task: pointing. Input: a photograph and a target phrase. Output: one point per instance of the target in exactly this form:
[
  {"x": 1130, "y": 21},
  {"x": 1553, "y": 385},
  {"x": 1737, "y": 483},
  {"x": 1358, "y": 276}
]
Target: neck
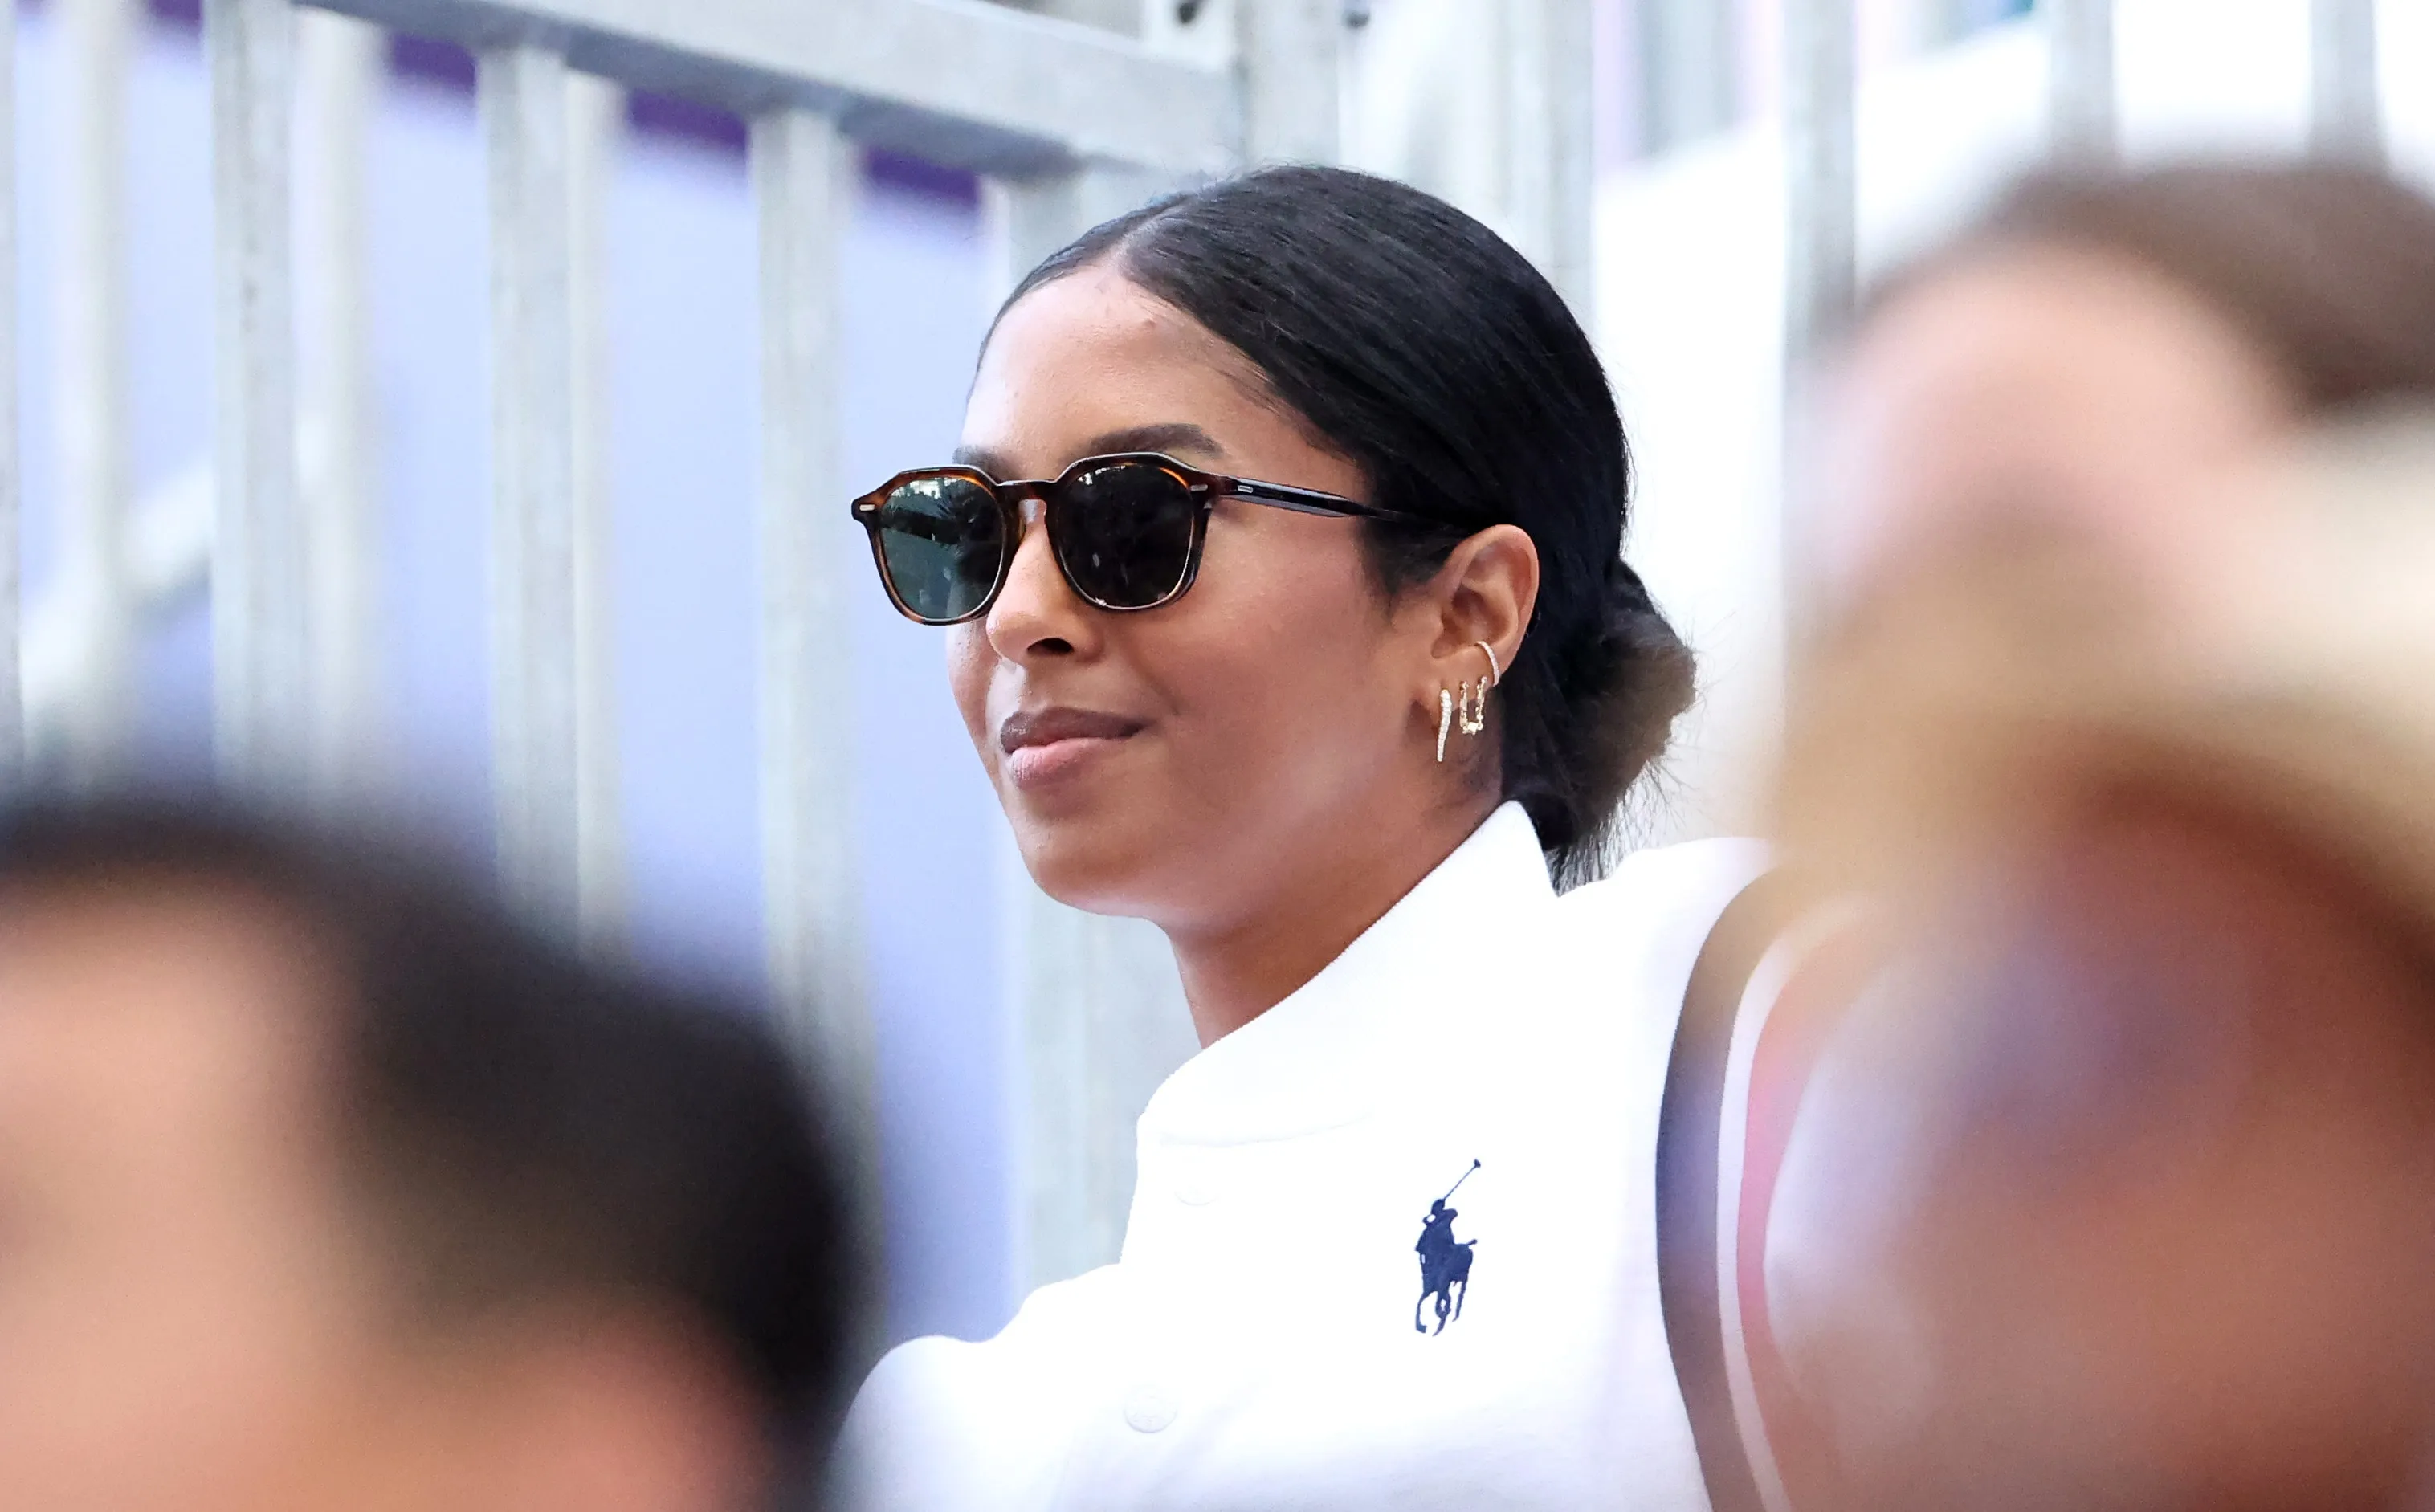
[{"x": 1305, "y": 917}]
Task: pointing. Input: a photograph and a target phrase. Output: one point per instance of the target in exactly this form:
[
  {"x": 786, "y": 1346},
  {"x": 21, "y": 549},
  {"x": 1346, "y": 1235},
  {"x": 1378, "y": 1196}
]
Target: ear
[{"x": 1483, "y": 595}]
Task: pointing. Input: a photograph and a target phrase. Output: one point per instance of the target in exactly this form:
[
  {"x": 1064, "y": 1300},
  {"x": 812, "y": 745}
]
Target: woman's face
[
  {"x": 2070, "y": 386},
  {"x": 1163, "y": 764}
]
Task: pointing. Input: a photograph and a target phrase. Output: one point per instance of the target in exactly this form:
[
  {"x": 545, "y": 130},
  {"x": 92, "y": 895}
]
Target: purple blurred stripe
[
  {"x": 431, "y": 62},
  {"x": 919, "y": 176},
  {"x": 673, "y": 118}
]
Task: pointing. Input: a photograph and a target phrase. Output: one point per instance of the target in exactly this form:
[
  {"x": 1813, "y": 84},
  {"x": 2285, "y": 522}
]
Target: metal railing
[{"x": 1066, "y": 122}]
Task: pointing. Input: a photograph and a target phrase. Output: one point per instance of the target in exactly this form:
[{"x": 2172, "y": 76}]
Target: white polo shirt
[{"x": 1256, "y": 1344}]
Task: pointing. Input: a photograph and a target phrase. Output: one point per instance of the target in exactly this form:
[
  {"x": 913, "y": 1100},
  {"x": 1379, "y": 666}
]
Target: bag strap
[{"x": 1690, "y": 1123}]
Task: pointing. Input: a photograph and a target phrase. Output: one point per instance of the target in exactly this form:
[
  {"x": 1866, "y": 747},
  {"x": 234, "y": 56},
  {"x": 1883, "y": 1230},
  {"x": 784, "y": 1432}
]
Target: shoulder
[
  {"x": 1620, "y": 949},
  {"x": 956, "y": 1425},
  {"x": 1663, "y": 895}
]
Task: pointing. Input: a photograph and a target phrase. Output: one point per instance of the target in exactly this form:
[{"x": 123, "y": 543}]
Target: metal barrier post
[
  {"x": 338, "y": 62},
  {"x": 1821, "y": 153},
  {"x": 1821, "y": 238},
  {"x": 805, "y": 175},
  {"x": 13, "y": 702},
  {"x": 1685, "y": 58},
  {"x": 2081, "y": 109},
  {"x": 259, "y": 563},
  {"x": 595, "y": 130},
  {"x": 1550, "y": 170},
  {"x": 2346, "y": 113},
  {"x": 92, "y": 381},
  {"x": 523, "y": 91},
  {"x": 1288, "y": 51}
]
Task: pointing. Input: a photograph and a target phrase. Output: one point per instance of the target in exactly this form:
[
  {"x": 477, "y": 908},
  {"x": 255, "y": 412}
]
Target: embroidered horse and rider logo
[{"x": 1445, "y": 1262}]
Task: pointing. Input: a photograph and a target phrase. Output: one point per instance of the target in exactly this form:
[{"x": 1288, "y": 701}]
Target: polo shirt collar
[{"x": 1326, "y": 1054}]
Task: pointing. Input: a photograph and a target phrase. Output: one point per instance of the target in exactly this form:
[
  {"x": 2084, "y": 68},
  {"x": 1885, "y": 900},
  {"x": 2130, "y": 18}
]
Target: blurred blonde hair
[{"x": 2328, "y": 270}]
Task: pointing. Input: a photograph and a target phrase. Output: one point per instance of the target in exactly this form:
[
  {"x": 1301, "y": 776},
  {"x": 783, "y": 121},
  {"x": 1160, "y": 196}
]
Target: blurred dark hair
[
  {"x": 2329, "y": 270},
  {"x": 1418, "y": 345},
  {"x": 525, "y": 1124}
]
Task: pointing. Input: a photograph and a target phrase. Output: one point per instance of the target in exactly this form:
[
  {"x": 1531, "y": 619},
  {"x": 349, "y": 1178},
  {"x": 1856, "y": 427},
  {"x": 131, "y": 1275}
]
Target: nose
[{"x": 1036, "y": 615}]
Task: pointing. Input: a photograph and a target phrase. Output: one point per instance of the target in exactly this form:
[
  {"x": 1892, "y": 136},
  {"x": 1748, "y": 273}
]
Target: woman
[
  {"x": 1326, "y": 661},
  {"x": 2133, "y": 1207}
]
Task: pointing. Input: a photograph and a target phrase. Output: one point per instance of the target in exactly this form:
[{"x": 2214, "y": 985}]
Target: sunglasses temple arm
[{"x": 1306, "y": 501}]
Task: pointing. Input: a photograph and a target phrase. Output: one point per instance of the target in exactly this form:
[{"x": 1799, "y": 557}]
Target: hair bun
[{"x": 1629, "y": 675}]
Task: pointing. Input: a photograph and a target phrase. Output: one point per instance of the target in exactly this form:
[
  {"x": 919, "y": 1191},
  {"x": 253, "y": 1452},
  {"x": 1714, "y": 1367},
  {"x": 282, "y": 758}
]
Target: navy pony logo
[{"x": 1445, "y": 1262}]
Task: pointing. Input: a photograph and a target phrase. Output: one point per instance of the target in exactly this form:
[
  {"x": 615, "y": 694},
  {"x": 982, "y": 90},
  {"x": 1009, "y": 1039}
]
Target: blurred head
[
  {"x": 2122, "y": 1195},
  {"x": 322, "y": 1185},
  {"x": 2115, "y": 1187},
  {"x": 2108, "y": 350},
  {"x": 1331, "y": 331}
]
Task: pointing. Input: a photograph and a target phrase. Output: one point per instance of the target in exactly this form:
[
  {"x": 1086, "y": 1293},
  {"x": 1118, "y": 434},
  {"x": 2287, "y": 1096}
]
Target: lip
[{"x": 1044, "y": 745}]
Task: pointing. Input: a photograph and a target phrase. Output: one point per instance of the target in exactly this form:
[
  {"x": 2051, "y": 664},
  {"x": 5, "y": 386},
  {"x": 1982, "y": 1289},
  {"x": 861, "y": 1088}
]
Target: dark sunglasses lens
[
  {"x": 1123, "y": 533},
  {"x": 943, "y": 540}
]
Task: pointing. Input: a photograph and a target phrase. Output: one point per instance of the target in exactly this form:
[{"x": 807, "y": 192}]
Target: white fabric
[{"x": 1254, "y": 1347}]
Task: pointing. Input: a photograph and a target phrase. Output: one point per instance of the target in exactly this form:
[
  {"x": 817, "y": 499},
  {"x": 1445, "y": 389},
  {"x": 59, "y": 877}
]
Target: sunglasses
[{"x": 1127, "y": 531}]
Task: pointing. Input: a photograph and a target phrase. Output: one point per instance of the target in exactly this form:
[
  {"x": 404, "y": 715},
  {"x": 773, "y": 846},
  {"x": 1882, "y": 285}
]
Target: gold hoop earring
[
  {"x": 1474, "y": 714},
  {"x": 1467, "y": 713}
]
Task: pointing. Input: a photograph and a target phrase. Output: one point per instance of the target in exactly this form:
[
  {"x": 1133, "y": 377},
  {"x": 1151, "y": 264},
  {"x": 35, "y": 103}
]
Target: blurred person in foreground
[
  {"x": 2090, "y": 1162},
  {"x": 2102, "y": 351},
  {"x": 322, "y": 1185}
]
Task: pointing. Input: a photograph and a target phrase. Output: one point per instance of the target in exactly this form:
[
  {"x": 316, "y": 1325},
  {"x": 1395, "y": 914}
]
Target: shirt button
[{"x": 1147, "y": 1409}]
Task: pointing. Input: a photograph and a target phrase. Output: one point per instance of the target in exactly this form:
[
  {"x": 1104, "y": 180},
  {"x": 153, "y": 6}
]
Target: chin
[
  {"x": 1090, "y": 863},
  {"x": 1081, "y": 870}
]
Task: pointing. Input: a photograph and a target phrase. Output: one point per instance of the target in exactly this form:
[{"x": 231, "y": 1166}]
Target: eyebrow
[{"x": 1179, "y": 438}]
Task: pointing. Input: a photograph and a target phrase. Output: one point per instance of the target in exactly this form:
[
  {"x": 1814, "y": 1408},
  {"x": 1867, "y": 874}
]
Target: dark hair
[
  {"x": 523, "y": 1123},
  {"x": 2329, "y": 270},
  {"x": 1418, "y": 346}
]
